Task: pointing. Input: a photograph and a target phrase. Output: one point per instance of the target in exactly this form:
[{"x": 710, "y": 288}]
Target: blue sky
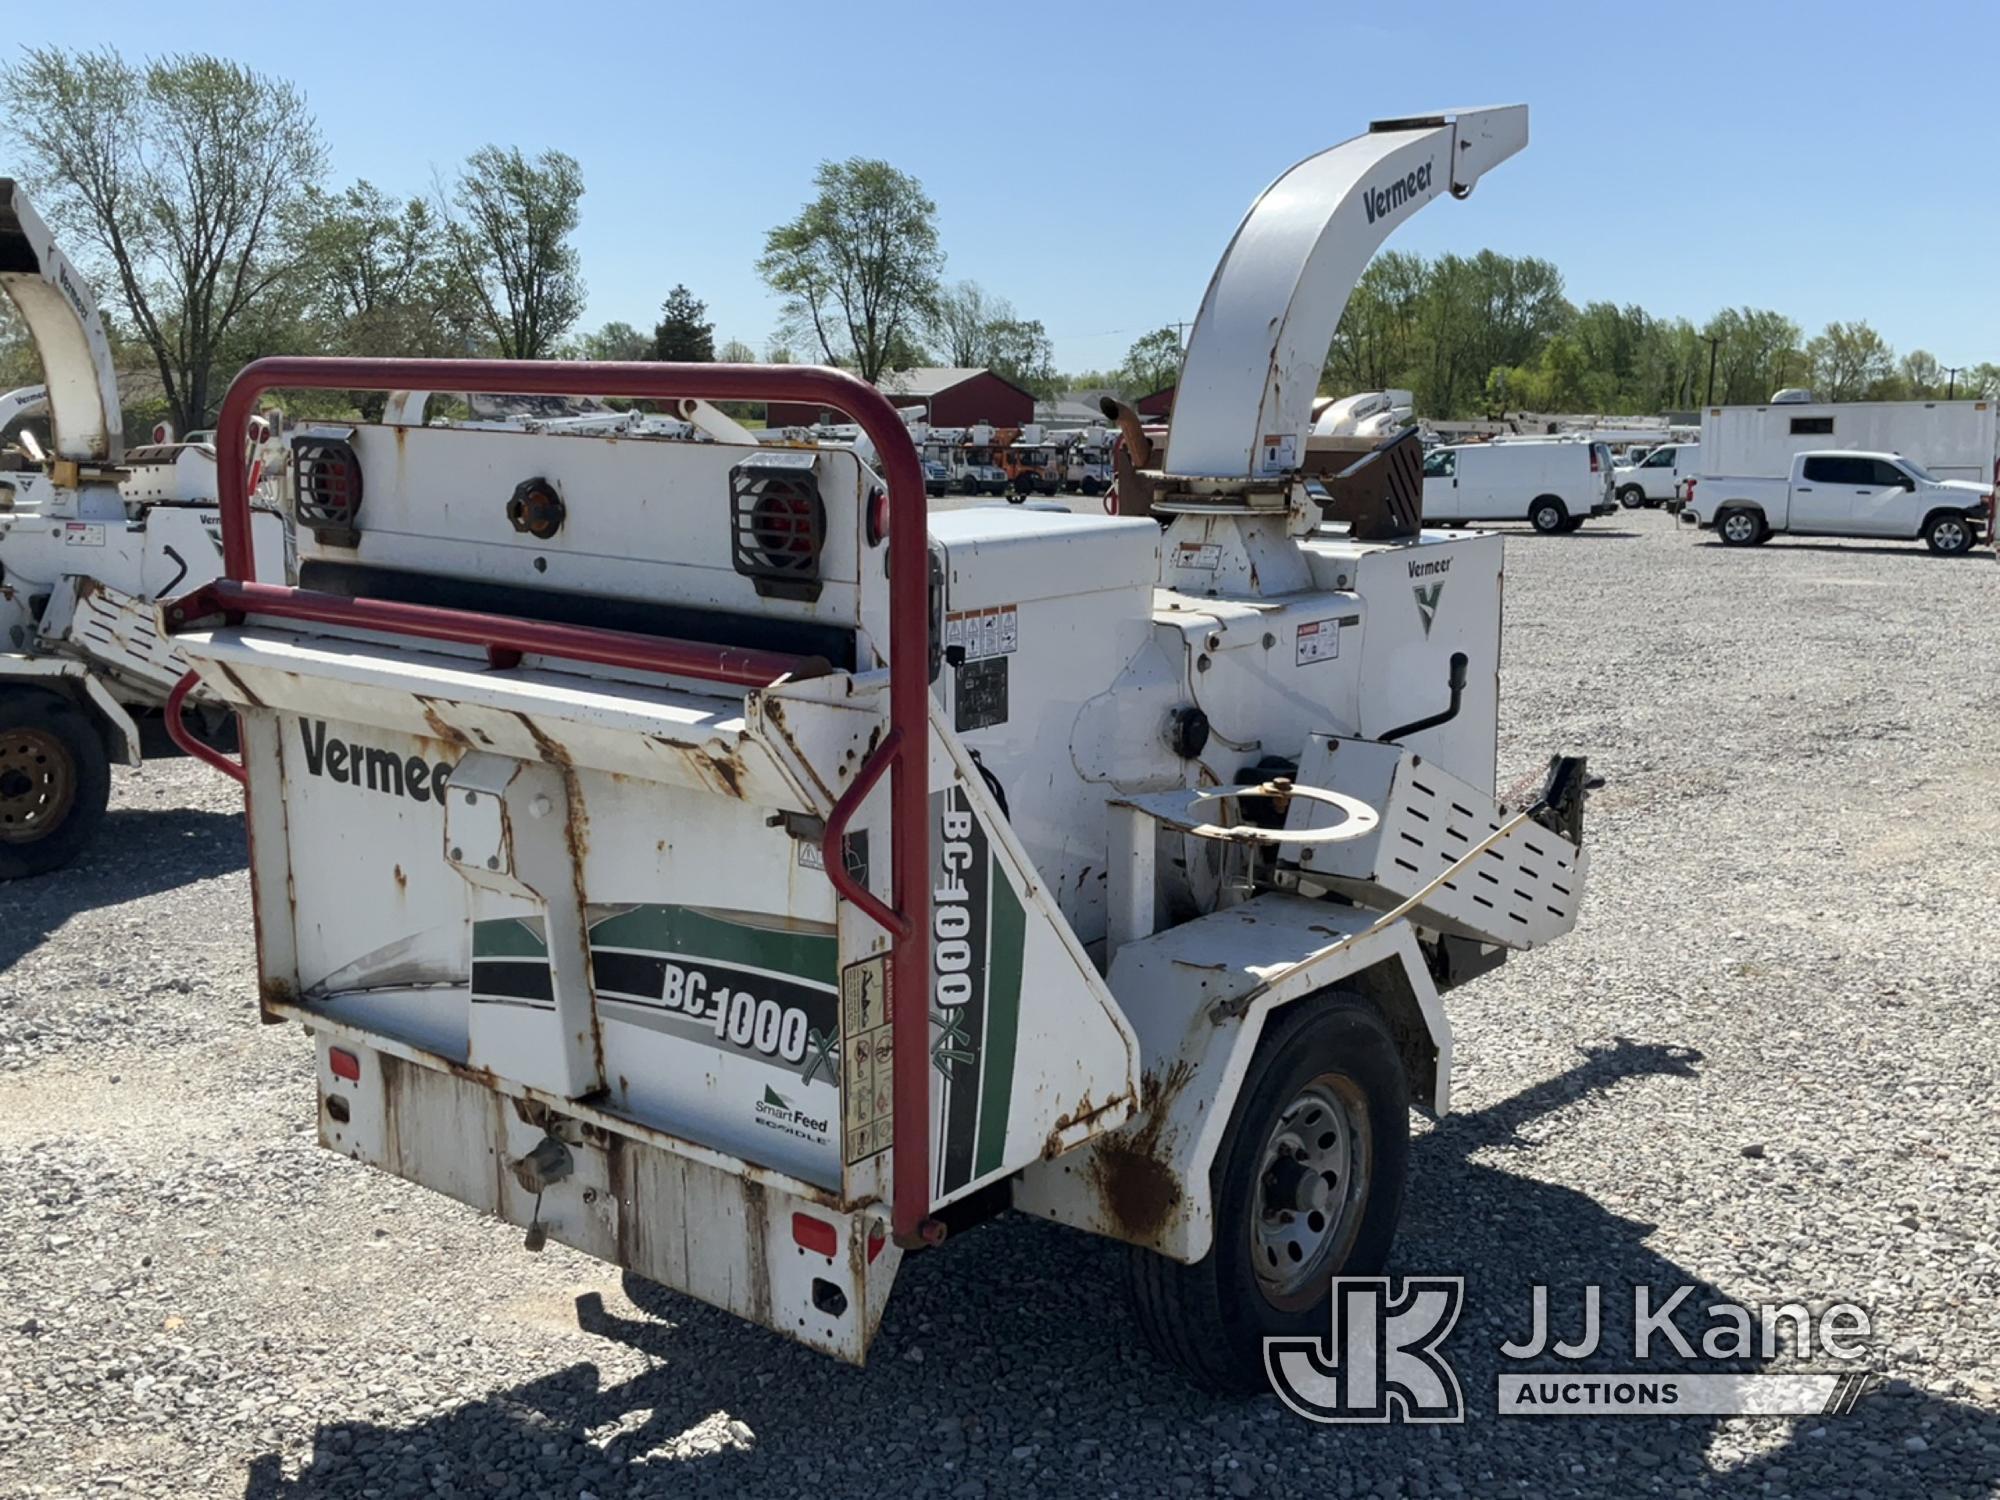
[{"x": 1090, "y": 162}]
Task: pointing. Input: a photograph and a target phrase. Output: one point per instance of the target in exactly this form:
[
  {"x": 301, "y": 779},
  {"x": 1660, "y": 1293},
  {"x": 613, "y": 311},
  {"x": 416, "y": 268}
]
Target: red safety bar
[{"x": 903, "y": 753}]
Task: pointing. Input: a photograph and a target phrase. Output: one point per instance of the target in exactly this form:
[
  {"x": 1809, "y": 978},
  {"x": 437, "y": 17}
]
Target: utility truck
[
  {"x": 1841, "y": 493},
  {"x": 698, "y": 855},
  {"x": 91, "y": 534}
]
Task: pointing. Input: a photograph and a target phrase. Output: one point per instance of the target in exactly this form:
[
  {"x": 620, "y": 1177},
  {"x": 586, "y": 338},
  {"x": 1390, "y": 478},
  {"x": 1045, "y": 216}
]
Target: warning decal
[
  {"x": 1318, "y": 640},
  {"x": 984, "y": 632},
  {"x": 867, "y": 1060}
]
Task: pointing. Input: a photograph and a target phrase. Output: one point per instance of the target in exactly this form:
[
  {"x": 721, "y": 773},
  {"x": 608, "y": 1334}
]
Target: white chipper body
[
  {"x": 694, "y": 853},
  {"x": 92, "y": 533}
]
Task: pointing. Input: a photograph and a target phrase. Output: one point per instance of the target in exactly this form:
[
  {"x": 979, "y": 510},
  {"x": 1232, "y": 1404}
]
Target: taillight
[
  {"x": 344, "y": 1064},
  {"x": 329, "y": 489},
  {"x": 778, "y": 524},
  {"x": 1594, "y": 461},
  {"x": 878, "y": 517},
  {"x": 815, "y": 1235}
]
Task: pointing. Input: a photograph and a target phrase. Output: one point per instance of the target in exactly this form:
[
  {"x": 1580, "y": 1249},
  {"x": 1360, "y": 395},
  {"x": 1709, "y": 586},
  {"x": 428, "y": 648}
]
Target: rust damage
[
  {"x": 1129, "y": 1168},
  {"x": 449, "y": 733},
  {"x": 242, "y": 687},
  {"x": 1076, "y": 1119},
  {"x": 576, "y": 834}
]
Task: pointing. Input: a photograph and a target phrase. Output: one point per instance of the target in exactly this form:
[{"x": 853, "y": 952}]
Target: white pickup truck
[{"x": 1841, "y": 493}]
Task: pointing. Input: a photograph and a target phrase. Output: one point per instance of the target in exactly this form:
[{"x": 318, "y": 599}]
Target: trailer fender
[
  {"x": 77, "y": 682},
  {"x": 1199, "y": 996}
]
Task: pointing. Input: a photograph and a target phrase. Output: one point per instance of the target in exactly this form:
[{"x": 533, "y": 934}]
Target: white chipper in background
[
  {"x": 694, "y": 853},
  {"x": 91, "y": 534}
]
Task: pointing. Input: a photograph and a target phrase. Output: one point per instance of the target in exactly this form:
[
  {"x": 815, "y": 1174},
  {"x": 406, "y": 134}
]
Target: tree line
[
  {"x": 192, "y": 191},
  {"x": 1485, "y": 334}
]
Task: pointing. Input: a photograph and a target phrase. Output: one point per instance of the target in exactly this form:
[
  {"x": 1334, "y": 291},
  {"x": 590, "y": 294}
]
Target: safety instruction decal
[
  {"x": 83, "y": 534},
  {"x": 984, "y": 632},
  {"x": 1318, "y": 640},
  {"x": 867, "y": 1060},
  {"x": 1207, "y": 556}
]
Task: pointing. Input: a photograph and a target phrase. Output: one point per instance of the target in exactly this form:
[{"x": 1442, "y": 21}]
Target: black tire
[
  {"x": 55, "y": 781},
  {"x": 1950, "y": 534},
  {"x": 1547, "y": 515},
  {"x": 1632, "y": 497},
  {"x": 1572, "y": 525},
  {"x": 1211, "y": 1319},
  {"x": 1740, "y": 528}
]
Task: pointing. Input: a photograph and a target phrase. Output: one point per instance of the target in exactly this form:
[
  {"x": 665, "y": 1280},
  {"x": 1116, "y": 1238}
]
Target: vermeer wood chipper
[{"x": 695, "y": 853}]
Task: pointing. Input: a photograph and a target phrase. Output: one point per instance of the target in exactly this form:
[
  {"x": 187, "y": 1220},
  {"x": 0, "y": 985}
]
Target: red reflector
[
  {"x": 876, "y": 1241},
  {"x": 878, "y": 517},
  {"x": 344, "y": 1064},
  {"x": 815, "y": 1235}
]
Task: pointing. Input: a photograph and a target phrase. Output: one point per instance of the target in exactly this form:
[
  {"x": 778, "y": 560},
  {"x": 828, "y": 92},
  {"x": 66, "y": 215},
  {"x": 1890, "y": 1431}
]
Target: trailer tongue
[{"x": 694, "y": 853}]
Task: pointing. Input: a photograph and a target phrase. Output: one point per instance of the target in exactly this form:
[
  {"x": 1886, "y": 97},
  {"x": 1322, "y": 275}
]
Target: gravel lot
[{"x": 1765, "y": 1063}]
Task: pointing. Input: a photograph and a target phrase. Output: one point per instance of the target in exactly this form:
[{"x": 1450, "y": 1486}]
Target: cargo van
[
  {"x": 1657, "y": 477},
  {"x": 1554, "y": 484}
]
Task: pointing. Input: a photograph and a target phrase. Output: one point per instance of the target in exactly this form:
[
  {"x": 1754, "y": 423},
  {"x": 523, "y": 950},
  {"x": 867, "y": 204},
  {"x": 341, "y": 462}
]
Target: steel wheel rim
[
  {"x": 1552, "y": 519},
  {"x": 1312, "y": 1184},
  {"x": 1737, "y": 528},
  {"x": 37, "y": 785},
  {"x": 1950, "y": 535}
]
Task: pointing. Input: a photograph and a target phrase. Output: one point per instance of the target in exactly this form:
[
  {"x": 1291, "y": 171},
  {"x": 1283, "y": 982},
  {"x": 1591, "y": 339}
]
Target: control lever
[{"x": 1455, "y": 680}]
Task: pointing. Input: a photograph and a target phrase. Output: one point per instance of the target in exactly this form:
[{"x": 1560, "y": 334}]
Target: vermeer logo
[
  {"x": 1428, "y": 594},
  {"x": 1383, "y": 201},
  {"x": 378, "y": 770}
]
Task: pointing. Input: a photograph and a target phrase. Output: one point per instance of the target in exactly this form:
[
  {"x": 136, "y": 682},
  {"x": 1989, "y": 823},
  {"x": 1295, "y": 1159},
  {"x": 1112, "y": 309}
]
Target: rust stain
[
  {"x": 757, "y": 1223},
  {"x": 240, "y": 685},
  {"x": 447, "y": 732},
  {"x": 1129, "y": 1168},
  {"x": 402, "y": 880},
  {"x": 576, "y": 834}
]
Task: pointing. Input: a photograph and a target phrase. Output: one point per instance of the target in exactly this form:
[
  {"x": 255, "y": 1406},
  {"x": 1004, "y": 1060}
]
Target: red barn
[
  {"x": 1157, "y": 407},
  {"x": 950, "y": 397}
]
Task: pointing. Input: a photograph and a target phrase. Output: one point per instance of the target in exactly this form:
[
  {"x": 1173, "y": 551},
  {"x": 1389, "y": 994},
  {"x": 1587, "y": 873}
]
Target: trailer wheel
[
  {"x": 1740, "y": 528},
  {"x": 1308, "y": 1185},
  {"x": 1948, "y": 534},
  {"x": 1547, "y": 515},
  {"x": 55, "y": 780},
  {"x": 1632, "y": 497}
]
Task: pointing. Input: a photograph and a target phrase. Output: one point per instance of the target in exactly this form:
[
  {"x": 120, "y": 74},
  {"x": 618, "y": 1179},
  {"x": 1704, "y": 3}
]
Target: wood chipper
[
  {"x": 696, "y": 854},
  {"x": 92, "y": 533}
]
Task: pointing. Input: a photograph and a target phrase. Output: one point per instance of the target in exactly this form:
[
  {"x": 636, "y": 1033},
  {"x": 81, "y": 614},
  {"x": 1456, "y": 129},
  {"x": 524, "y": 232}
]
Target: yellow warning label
[{"x": 867, "y": 1060}]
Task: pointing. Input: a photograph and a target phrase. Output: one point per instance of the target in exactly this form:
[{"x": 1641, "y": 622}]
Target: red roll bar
[{"x": 903, "y": 753}]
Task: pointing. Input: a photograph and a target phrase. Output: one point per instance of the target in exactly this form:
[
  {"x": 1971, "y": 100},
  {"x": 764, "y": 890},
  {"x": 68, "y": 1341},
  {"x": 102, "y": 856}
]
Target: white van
[
  {"x": 1554, "y": 484},
  {"x": 1658, "y": 476}
]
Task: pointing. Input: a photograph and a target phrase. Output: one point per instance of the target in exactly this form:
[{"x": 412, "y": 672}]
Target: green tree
[
  {"x": 510, "y": 221},
  {"x": 179, "y": 182},
  {"x": 736, "y": 352},
  {"x": 858, "y": 268},
  {"x": 684, "y": 331},
  {"x": 1152, "y": 363},
  {"x": 614, "y": 341},
  {"x": 1850, "y": 362},
  {"x": 377, "y": 279}
]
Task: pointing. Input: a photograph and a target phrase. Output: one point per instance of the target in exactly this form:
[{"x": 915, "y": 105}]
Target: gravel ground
[{"x": 1764, "y": 1064}]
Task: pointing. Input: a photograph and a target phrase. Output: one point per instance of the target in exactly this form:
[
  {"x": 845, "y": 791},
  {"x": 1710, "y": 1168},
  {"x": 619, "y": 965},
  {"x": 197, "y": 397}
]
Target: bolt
[
  {"x": 541, "y": 807},
  {"x": 472, "y": 799},
  {"x": 457, "y": 854},
  {"x": 492, "y": 861}
]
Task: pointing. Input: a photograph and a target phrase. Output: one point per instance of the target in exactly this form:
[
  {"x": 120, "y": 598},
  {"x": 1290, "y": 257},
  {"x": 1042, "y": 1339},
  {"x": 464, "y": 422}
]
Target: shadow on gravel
[
  {"x": 137, "y": 853},
  {"x": 1009, "y": 1357}
]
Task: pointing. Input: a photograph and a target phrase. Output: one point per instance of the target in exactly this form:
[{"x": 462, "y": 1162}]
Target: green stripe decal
[
  {"x": 681, "y": 929},
  {"x": 1007, "y": 935},
  {"x": 507, "y": 937}
]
